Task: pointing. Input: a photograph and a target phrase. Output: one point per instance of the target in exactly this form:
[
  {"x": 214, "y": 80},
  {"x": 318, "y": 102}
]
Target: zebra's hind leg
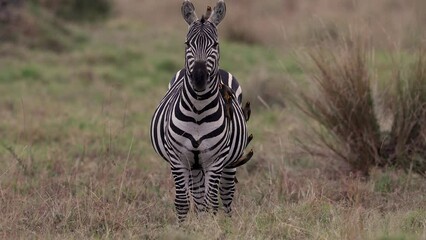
[
  {"x": 196, "y": 185},
  {"x": 181, "y": 178},
  {"x": 227, "y": 188}
]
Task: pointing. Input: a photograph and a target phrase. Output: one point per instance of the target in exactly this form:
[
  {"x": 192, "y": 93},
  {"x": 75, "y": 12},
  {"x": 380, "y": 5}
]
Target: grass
[{"x": 76, "y": 161}]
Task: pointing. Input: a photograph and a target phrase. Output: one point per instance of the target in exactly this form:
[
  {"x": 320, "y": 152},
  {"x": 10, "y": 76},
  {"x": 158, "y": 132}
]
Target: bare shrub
[{"x": 343, "y": 106}]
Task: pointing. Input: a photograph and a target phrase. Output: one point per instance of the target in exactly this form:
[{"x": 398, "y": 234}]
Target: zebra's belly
[{"x": 202, "y": 146}]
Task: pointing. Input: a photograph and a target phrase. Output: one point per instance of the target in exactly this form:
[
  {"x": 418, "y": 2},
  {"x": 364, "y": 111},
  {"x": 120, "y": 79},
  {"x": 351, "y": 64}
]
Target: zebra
[{"x": 199, "y": 127}]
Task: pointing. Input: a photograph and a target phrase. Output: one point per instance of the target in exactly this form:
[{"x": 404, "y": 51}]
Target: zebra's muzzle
[{"x": 199, "y": 76}]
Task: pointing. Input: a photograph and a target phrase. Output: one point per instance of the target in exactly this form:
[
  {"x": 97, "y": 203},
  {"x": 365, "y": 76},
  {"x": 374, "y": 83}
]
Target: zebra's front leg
[
  {"x": 227, "y": 188},
  {"x": 212, "y": 189},
  {"x": 181, "y": 177},
  {"x": 196, "y": 185}
]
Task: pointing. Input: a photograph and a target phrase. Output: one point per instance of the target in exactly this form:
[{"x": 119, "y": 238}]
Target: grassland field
[{"x": 76, "y": 161}]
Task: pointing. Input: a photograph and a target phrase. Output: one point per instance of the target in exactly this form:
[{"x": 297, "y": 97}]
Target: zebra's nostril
[{"x": 199, "y": 64}]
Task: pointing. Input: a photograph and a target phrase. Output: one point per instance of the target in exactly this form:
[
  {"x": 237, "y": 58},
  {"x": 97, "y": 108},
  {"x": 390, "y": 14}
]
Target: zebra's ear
[
  {"x": 188, "y": 12},
  {"x": 218, "y": 13}
]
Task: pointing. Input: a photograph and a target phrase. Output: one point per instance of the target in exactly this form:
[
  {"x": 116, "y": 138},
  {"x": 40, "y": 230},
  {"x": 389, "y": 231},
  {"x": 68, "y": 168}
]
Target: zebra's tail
[
  {"x": 243, "y": 160},
  {"x": 247, "y": 111}
]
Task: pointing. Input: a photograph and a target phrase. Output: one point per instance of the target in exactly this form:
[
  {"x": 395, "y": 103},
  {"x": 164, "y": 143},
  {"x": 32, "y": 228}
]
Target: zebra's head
[{"x": 202, "y": 44}]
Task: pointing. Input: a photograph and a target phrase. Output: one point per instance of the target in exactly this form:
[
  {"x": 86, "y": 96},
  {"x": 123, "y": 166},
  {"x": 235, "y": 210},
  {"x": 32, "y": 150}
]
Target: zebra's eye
[
  {"x": 187, "y": 43},
  {"x": 216, "y": 44}
]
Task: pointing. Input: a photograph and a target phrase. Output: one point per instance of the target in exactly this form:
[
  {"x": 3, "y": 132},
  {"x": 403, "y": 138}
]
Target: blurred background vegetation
[
  {"x": 337, "y": 89},
  {"x": 279, "y": 23},
  {"x": 44, "y": 23}
]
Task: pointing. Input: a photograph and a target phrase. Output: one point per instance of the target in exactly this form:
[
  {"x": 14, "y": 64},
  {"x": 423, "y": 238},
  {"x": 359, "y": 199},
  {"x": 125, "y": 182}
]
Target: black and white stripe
[{"x": 189, "y": 128}]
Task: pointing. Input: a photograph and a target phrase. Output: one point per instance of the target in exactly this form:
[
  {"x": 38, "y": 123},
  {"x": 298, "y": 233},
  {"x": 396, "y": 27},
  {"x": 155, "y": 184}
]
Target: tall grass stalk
[{"x": 406, "y": 147}]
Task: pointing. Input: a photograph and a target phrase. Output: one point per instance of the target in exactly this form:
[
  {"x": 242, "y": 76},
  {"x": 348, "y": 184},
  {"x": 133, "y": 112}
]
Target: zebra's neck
[{"x": 198, "y": 101}]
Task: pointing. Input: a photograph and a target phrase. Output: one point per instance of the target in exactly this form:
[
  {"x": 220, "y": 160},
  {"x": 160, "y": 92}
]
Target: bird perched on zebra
[{"x": 199, "y": 127}]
